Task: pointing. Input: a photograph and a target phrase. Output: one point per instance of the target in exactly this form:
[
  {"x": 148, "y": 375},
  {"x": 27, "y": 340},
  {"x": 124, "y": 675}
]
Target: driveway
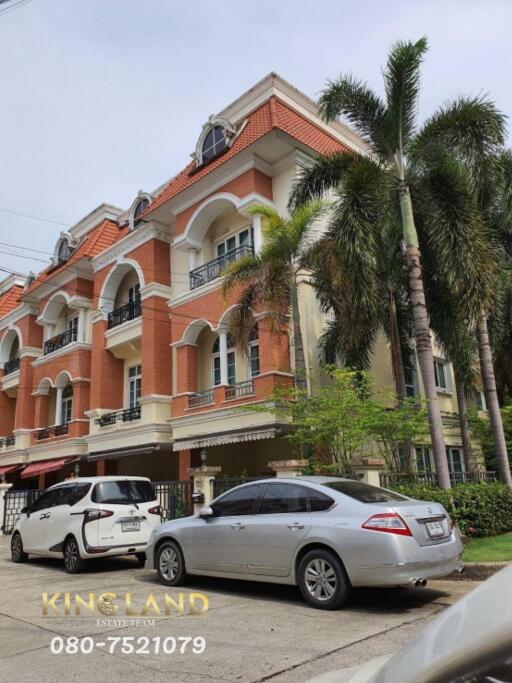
[{"x": 253, "y": 632}]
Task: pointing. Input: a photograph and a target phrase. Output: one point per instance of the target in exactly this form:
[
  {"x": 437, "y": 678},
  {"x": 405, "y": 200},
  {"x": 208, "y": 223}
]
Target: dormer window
[
  {"x": 138, "y": 207},
  {"x": 64, "y": 251},
  {"x": 217, "y": 135},
  {"x": 213, "y": 143}
]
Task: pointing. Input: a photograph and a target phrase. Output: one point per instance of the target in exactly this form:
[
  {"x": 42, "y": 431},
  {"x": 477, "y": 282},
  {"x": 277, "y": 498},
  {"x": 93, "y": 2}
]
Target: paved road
[{"x": 254, "y": 632}]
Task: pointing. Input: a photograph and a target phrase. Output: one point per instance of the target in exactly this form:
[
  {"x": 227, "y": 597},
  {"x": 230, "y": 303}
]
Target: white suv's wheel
[
  {"x": 17, "y": 553},
  {"x": 73, "y": 563},
  {"x": 322, "y": 579}
]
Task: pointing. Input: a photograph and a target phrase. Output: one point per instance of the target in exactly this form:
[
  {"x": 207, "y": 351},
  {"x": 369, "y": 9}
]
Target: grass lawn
[{"x": 489, "y": 549}]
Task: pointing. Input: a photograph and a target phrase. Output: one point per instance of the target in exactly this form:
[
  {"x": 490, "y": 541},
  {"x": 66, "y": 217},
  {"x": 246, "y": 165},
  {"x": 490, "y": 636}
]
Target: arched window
[
  {"x": 214, "y": 143},
  {"x": 254, "y": 352},
  {"x": 231, "y": 361},
  {"x": 64, "y": 251},
  {"x": 67, "y": 404},
  {"x": 139, "y": 210}
]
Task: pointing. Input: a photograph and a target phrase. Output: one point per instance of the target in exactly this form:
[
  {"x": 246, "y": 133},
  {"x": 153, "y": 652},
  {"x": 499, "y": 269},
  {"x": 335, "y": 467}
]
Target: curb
[{"x": 477, "y": 571}]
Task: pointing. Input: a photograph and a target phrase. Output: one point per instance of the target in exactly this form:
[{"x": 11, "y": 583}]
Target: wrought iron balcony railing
[
  {"x": 8, "y": 441},
  {"x": 127, "y": 415},
  {"x": 239, "y": 390},
  {"x": 213, "y": 269},
  {"x": 11, "y": 366},
  {"x": 200, "y": 399},
  {"x": 47, "y": 432},
  {"x": 124, "y": 313},
  {"x": 60, "y": 340}
]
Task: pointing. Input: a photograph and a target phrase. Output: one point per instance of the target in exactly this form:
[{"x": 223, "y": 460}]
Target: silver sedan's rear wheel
[
  {"x": 322, "y": 579},
  {"x": 170, "y": 565}
]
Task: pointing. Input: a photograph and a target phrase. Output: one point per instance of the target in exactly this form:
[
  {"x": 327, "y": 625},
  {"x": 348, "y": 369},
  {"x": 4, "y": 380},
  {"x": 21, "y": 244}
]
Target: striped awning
[{"x": 207, "y": 441}]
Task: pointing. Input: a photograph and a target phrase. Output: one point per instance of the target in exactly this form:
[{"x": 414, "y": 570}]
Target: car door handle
[
  {"x": 45, "y": 516},
  {"x": 238, "y": 525},
  {"x": 296, "y": 525}
]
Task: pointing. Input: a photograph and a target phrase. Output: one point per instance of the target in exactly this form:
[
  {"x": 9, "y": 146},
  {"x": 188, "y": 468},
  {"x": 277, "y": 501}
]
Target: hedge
[{"x": 478, "y": 509}]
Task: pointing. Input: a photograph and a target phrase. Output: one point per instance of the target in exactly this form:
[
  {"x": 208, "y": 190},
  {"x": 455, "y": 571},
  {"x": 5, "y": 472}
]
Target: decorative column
[
  {"x": 223, "y": 349},
  {"x": 257, "y": 235},
  {"x": 192, "y": 259},
  {"x": 82, "y": 332},
  {"x": 58, "y": 406}
]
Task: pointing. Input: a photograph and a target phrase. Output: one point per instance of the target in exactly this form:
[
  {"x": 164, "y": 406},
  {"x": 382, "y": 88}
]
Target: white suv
[{"x": 88, "y": 517}]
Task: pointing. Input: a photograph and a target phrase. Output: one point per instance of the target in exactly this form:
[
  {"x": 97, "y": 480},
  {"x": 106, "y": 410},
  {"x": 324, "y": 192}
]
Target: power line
[
  {"x": 11, "y": 8},
  {"x": 30, "y": 258},
  {"x": 28, "y": 215},
  {"x": 18, "y": 246}
]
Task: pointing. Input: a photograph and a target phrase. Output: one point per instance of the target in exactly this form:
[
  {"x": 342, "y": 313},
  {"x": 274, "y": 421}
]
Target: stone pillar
[
  {"x": 223, "y": 349},
  {"x": 203, "y": 478},
  {"x": 4, "y": 487},
  {"x": 256, "y": 227},
  {"x": 287, "y": 468},
  {"x": 370, "y": 470},
  {"x": 192, "y": 259}
]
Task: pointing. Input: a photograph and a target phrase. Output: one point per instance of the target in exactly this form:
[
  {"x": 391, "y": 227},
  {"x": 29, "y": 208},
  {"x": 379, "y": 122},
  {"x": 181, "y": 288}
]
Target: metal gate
[
  {"x": 14, "y": 502},
  {"x": 223, "y": 484},
  {"x": 174, "y": 497}
]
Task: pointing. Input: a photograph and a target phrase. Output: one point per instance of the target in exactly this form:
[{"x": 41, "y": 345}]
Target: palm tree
[
  {"x": 269, "y": 280},
  {"x": 389, "y": 129}
]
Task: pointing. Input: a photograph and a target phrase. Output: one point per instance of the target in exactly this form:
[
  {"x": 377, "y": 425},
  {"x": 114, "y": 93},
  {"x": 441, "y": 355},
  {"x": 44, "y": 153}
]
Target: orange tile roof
[
  {"x": 272, "y": 115},
  {"x": 97, "y": 240},
  {"x": 9, "y": 300}
]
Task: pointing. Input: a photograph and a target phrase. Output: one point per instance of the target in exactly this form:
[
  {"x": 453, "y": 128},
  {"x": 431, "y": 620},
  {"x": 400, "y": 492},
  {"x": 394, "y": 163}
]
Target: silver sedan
[{"x": 324, "y": 534}]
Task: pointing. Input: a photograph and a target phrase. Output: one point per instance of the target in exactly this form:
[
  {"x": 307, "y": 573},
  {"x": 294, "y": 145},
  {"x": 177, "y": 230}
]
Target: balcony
[
  {"x": 8, "y": 441},
  {"x": 11, "y": 366},
  {"x": 123, "y": 314},
  {"x": 239, "y": 390},
  {"x": 128, "y": 415},
  {"x": 200, "y": 399},
  {"x": 213, "y": 269},
  {"x": 60, "y": 340},
  {"x": 47, "y": 432}
]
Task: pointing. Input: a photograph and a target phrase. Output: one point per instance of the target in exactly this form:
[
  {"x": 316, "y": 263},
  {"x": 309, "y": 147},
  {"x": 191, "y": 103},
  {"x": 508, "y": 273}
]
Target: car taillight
[
  {"x": 92, "y": 515},
  {"x": 157, "y": 510},
  {"x": 389, "y": 522}
]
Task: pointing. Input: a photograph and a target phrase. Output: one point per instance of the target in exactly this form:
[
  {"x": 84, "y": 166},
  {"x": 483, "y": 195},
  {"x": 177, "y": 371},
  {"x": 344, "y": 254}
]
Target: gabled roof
[
  {"x": 97, "y": 240},
  {"x": 273, "y": 114}
]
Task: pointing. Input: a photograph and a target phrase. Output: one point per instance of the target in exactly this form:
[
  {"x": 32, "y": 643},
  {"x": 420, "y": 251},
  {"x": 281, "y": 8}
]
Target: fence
[
  {"x": 14, "y": 502},
  {"x": 388, "y": 479},
  {"x": 174, "y": 497}
]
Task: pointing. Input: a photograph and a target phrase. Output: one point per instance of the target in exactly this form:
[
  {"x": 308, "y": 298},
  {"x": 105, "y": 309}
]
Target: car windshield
[
  {"x": 123, "y": 492},
  {"x": 364, "y": 492}
]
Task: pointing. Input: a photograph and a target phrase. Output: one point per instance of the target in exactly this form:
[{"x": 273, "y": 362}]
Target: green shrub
[{"x": 477, "y": 509}]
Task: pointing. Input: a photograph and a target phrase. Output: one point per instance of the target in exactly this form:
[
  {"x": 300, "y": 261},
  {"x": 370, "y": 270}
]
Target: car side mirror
[
  {"x": 25, "y": 511},
  {"x": 206, "y": 512}
]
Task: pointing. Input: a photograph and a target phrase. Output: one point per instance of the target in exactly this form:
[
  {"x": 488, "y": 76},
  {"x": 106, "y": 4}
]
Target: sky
[{"x": 102, "y": 98}]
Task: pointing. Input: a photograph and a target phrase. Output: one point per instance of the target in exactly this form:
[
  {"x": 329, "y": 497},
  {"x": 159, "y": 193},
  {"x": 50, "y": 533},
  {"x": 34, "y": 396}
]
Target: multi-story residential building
[{"x": 118, "y": 357}]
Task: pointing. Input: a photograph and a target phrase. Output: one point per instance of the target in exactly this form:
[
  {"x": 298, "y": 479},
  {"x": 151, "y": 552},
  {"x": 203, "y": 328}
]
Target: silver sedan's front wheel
[
  {"x": 170, "y": 565},
  {"x": 322, "y": 579}
]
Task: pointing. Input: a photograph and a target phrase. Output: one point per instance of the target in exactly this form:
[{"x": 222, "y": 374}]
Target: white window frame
[
  {"x": 66, "y": 407},
  {"x": 449, "y": 453},
  {"x": 425, "y": 450},
  {"x": 236, "y": 235},
  {"x": 133, "y": 380},
  {"x": 254, "y": 344},
  {"x": 481, "y": 395},
  {"x": 216, "y": 357},
  {"x": 445, "y": 364}
]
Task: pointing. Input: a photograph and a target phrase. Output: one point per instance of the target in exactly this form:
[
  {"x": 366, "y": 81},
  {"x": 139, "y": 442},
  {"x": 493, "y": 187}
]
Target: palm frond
[
  {"x": 315, "y": 180},
  {"x": 402, "y": 83},
  {"x": 355, "y": 101}
]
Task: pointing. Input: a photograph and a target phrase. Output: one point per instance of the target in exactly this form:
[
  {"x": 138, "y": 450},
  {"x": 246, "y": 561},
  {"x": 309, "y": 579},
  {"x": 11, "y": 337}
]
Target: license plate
[
  {"x": 130, "y": 525},
  {"x": 435, "y": 529}
]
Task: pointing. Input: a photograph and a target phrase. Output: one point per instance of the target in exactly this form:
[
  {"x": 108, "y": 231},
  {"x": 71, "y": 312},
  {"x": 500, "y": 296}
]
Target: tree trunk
[
  {"x": 465, "y": 433},
  {"x": 407, "y": 449},
  {"x": 491, "y": 398},
  {"x": 300, "y": 360},
  {"x": 423, "y": 339},
  {"x": 397, "y": 360}
]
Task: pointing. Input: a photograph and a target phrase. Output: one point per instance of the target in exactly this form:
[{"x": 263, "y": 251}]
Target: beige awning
[{"x": 226, "y": 437}]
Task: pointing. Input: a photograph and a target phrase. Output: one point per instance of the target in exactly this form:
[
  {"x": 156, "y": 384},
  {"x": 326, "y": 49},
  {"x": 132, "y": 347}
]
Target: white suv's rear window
[{"x": 123, "y": 492}]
